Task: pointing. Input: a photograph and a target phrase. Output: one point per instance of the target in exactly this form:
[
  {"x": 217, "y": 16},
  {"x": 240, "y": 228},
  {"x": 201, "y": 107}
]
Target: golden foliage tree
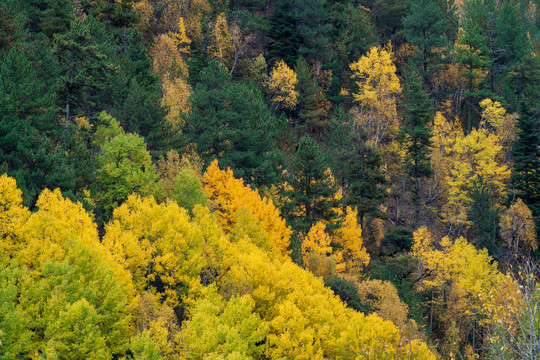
[
  {"x": 352, "y": 257},
  {"x": 495, "y": 118},
  {"x": 384, "y": 300},
  {"x": 517, "y": 229},
  {"x": 161, "y": 247},
  {"x": 165, "y": 53},
  {"x": 463, "y": 283},
  {"x": 378, "y": 88},
  {"x": 180, "y": 38},
  {"x": 176, "y": 92},
  {"x": 13, "y": 215},
  {"x": 222, "y": 45},
  {"x": 474, "y": 161},
  {"x": 280, "y": 86},
  {"x": 229, "y": 194}
]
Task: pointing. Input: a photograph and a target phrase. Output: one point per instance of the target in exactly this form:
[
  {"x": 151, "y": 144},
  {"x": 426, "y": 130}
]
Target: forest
[{"x": 269, "y": 179}]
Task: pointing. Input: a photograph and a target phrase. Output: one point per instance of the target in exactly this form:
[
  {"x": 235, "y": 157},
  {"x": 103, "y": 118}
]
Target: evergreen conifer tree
[
  {"x": 231, "y": 122},
  {"x": 283, "y": 40},
  {"x": 416, "y": 134},
  {"x": 425, "y": 27},
  {"x": 312, "y": 105},
  {"x": 484, "y": 216},
  {"x": 365, "y": 177},
  {"x": 138, "y": 96},
  {"x": 27, "y": 151},
  {"x": 526, "y": 152},
  {"x": 85, "y": 67},
  {"x": 312, "y": 193}
]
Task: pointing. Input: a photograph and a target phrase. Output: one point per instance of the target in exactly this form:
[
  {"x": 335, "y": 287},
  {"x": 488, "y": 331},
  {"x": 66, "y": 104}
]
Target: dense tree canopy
[{"x": 255, "y": 179}]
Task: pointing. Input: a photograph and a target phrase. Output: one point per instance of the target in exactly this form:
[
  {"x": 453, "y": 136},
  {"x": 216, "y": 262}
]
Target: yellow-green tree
[
  {"x": 165, "y": 252},
  {"x": 62, "y": 293},
  {"x": 221, "y": 329},
  {"x": 13, "y": 215}
]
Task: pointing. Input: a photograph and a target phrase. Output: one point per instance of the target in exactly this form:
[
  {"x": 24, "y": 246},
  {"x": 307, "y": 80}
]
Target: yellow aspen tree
[
  {"x": 517, "y": 229},
  {"x": 316, "y": 250},
  {"x": 159, "y": 243},
  {"x": 492, "y": 113},
  {"x": 229, "y": 194},
  {"x": 383, "y": 298},
  {"x": 445, "y": 134},
  {"x": 165, "y": 53},
  {"x": 226, "y": 329},
  {"x": 378, "y": 88},
  {"x": 474, "y": 160},
  {"x": 13, "y": 215},
  {"x": 463, "y": 281},
  {"x": 157, "y": 322},
  {"x": 495, "y": 118},
  {"x": 58, "y": 230},
  {"x": 180, "y": 38},
  {"x": 473, "y": 271},
  {"x": 431, "y": 260},
  {"x": 505, "y": 304},
  {"x": 145, "y": 10},
  {"x": 306, "y": 320},
  {"x": 55, "y": 228},
  {"x": 222, "y": 46},
  {"x": 280, "y": 86},
  {"x": 176, "y": 92},
  {"x": 353, "y": 256}
]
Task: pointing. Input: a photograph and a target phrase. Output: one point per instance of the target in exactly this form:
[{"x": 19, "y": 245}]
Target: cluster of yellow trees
[{"x": 214, "y": 282}]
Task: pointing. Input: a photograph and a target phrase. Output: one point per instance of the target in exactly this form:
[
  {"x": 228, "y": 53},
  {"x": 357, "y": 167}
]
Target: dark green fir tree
[
  {"x": 283, "y": 39},
  {"x": 365, "y": 177},
  {"x": 313, "y": 190},
  {"x": 425, "y": 27},
  {"x": 484, "y": 216},
  {"x": 526, "y": 153},
  {"x": 416, "y": 133},
  {"x": 231, "y": 122}
]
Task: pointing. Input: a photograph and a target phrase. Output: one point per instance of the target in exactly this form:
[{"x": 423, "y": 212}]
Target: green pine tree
[
  {"x": 231, "y": 122},
  {"x": 56, "y": 17},
  {"x": 510, "y": 46},
  {"x": 313, "y": 28},
  {"x": 425, "y": 27},
  {"x": 387, "y": 17},
  {"x": 85, "y": 68},
  {"x": 27, "y": 149},
  {"x": 283, "y": 39},
  {"x": 365, "y": 177},
  {"x": 416, "y": 133},
  {"x": 311, "y": 112},
  {"x": 472, "y": 53},
  {"x": 137, "y": 96},
  {"x": 484, "y": 216},
  {"x": 526, "y": 153},
  {"x": 312, "y": 194}
]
